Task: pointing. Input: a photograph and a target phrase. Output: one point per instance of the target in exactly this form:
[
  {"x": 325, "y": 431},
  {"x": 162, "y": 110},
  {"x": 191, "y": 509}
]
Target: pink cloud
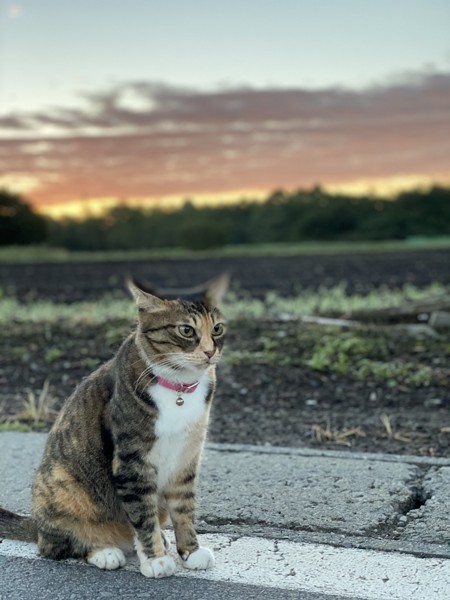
[{"x": 168, "y": 140}]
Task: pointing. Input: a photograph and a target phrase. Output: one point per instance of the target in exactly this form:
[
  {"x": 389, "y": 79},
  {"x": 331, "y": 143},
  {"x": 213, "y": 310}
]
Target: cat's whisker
[
  {"x": 133, "y": 364},
  {"x": 166, "y": 366},
  {"x": 147, "y": 371},
  {"x": 141, "y": 376},
  {"x": 168, "y": 362}
]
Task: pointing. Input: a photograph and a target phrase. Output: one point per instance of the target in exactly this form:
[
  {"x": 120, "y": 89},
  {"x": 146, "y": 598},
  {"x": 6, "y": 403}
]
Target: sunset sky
[{"x": 152, "y": 102}]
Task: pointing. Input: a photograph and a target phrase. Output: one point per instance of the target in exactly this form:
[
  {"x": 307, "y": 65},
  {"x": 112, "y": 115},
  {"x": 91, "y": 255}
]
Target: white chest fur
[{"x": 174, "y": 426}]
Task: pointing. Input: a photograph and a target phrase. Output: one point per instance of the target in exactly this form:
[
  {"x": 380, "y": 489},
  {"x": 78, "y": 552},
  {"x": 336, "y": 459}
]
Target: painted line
[{"x": 318, "y": 568}]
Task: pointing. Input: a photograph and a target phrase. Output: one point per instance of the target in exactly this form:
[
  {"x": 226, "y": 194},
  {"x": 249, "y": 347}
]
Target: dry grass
[
  {"x": 336, "y": 436},
  {"x": 428, "y": 451},
  {"x": 38, "y": 410},
  {"x": 400, "y": 436}
]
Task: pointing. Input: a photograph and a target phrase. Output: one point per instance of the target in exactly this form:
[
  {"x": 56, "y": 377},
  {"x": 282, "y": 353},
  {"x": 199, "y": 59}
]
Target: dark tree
[
  {"x": 285, "y": 217},
  {"x": 18, "y": 223}
]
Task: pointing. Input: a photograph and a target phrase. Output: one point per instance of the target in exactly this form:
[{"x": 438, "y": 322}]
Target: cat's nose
[{"x": 210, "y": 353}]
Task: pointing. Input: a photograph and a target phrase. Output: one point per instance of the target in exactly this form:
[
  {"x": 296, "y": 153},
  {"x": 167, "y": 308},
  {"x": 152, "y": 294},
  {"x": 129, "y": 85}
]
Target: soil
[
  {"x": 267, "y": 397},
  {"x": 74, "y": 281}
]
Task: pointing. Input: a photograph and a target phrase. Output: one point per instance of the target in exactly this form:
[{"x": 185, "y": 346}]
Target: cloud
[{"x": 145, "y": 139}]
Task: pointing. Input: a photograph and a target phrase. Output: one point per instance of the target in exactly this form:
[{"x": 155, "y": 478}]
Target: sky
[{"x": 151, "y": 102}]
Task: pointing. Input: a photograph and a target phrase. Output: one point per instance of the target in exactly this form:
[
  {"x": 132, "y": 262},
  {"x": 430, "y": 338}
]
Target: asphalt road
[{"x": 23, "y": 579}]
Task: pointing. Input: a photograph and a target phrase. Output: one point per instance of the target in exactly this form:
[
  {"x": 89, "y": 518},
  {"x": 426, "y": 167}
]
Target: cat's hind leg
[
  {"x": 58, "y": 545},
  {"x": 105, "y": 543},
  {"x": 107, "y": 558}
]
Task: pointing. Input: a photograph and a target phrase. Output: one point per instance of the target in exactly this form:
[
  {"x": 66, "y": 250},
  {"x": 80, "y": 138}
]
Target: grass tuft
[
  {"x": 336, "y": 436},
  {"x": 400, "y": 436},
  {"x": 37, "y": 410}
]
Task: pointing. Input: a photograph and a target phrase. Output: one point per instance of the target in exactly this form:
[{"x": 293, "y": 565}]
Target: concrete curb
[{"x": 341, "y": 454}]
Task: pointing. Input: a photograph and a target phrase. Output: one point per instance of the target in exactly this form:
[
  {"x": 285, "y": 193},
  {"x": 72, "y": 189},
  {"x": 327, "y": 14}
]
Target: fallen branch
[{"x": 409, "y": 312}]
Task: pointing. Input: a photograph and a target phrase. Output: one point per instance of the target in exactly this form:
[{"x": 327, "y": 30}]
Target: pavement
[{"x": 283, "y": 523}]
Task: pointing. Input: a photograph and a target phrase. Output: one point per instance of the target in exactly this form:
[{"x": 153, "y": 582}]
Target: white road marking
[{"x": 367, "y": 574}]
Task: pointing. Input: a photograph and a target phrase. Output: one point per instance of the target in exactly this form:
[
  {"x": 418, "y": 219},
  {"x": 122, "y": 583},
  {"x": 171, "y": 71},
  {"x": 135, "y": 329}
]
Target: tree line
[{"x": 313, "y": 215}]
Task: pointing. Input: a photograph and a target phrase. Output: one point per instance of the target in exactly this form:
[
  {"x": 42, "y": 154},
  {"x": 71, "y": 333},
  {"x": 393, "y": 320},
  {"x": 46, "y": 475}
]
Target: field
[{"x": 283, "y": 381}]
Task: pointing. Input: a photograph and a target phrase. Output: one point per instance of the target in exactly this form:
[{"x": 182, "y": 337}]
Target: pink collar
[{"x": 184, "y": 388}]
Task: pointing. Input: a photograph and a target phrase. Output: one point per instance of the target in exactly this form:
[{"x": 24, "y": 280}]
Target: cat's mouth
[
  {"x": 200, "y": 365},
  {"x": 196, "y": 362},
  {"x": 212, "y": 361}
]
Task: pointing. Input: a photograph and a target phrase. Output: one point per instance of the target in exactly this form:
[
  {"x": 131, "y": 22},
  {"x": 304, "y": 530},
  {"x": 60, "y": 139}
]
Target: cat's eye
[
  {"x": 217, "y": 329},
  {"x": 186, "y": 331}
]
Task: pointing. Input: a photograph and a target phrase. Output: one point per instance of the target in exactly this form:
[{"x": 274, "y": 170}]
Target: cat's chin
[{"x": 192, "y": 374}]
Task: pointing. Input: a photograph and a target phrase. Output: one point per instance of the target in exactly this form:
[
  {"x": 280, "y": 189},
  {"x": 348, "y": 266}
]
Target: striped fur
[{"x": 119, "y": 460}]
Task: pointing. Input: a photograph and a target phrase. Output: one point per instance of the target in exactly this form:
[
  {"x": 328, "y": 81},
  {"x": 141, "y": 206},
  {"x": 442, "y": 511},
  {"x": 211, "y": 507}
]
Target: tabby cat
[{"x": 123, "y": 454}]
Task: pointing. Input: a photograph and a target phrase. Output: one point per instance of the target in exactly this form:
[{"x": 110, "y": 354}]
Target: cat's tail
[{"x": 17, "y": 527}]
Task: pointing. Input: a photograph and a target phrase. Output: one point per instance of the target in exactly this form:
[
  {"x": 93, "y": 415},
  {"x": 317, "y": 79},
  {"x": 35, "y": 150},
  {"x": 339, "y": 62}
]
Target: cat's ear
[
  {"x": 216, "y": 289},
  {"x": 144, "y": 300},
  {"x": 147, "y": 287}
]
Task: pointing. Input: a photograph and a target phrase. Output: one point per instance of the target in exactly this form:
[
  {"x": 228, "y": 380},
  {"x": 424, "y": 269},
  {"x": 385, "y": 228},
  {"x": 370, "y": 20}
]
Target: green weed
[
  {"x": 338, "y": 352},
  {"x": 52, "y": 355},
  {"x": 26, "y": 254},
  {"x": 365, "y": 357},
  {"x": 15, "y": 426},
  {"x": 272, "y": 307},
  {"x": 394, "y": 372},
  {"x": 376, "y": 354}
]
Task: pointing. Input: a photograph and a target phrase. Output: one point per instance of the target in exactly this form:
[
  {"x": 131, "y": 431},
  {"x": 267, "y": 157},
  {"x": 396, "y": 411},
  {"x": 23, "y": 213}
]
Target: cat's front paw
[
  {"x": 164, "y": 566},
  {"x": 200, "y": 559}
]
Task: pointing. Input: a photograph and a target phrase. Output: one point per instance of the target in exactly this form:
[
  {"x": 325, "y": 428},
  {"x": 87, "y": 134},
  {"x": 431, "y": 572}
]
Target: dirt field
[
  {"x": 70, "y": 282},
  {"x": 273, "y": 389}
]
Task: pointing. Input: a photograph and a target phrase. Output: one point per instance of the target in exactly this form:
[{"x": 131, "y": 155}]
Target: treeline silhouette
[{"x": 284, "y": 217}]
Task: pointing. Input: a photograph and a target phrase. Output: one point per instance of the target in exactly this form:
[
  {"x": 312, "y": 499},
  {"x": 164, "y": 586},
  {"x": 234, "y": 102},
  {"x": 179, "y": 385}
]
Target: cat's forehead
[
  {"x": 197, "y": 312},
  {"x": 194, "y": 313}
]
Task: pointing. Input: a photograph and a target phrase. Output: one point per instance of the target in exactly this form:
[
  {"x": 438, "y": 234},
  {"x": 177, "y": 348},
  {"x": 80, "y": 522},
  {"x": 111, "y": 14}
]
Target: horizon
[
  {"x": 99, "y": 209},
  {"x": 102, "y": 208}
]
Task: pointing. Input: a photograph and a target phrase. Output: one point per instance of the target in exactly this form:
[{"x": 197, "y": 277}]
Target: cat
[{"x": 123, "y": 455}]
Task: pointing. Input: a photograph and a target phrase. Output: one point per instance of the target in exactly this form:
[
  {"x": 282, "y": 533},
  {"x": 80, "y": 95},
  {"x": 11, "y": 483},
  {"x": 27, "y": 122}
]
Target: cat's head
[{"x": 181, "y": 338}]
